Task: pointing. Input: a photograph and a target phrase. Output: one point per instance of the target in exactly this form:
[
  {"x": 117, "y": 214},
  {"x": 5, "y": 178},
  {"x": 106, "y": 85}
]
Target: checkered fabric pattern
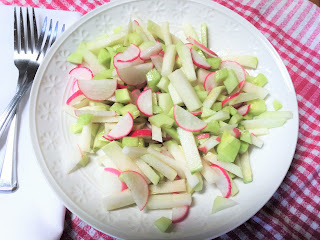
[{"x": 293, "y": 28}]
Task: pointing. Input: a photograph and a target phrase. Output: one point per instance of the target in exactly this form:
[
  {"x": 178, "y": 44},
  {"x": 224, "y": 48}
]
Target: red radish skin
[
  {"x": 108, "y": 138},
  {"x": 236, "y": 132},
  {"x": 130, "y": 54},
  {"x": 203, "y": 149},
  {"x": 161, "y": 53},
  {"x": 81, "y": 154},
  {"x": 117, "y": 173},
  {"x": 202, "y": 47},
  {"x": 178, "y": 214},
  {"x": 120, "y": 86},
  {"x": 81, "y": 73},
  {"x": 109, "y": 89},
  {"x": 218, "y": 139},
  {"x": 224, "y": 184},
  {"x": 196, "y": 113},
  {"x": 146, "y": 183},
  {"x": 204, "y": 135},
  {"x": 198, "y": 60},
  {"x": 75, "y": 98},
  {"x": 229, "y": 98},
  {"x": 244, "y": 110},
  {"x": 134, "y": 96},
  {"x": 147, "y": 53},
  {"x": 123, "y": 127},
  {"x": 189, "y": 45},
  {"x": 75, "y": 86},
  {"x": 144, "y": 133},
  {"x": 241, "y": 85},
  {"x": 237, "y": 105},
  {"x": 238, "y": 69},
  {"x": 144, "y": 102},
  {"x": 209, "y": 82}
]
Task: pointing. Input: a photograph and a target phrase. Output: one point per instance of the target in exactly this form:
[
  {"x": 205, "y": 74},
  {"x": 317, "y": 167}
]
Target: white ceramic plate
[{"x": 228, "y": 34}]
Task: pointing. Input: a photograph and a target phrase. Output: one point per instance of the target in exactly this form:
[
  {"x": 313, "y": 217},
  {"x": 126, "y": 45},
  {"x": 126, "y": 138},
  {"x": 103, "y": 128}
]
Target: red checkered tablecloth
[{"x": 293, "y": 28}]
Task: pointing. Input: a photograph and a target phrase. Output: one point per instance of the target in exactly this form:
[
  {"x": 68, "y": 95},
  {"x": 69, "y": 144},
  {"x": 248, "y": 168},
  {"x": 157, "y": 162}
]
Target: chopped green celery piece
[
  {"x": 164, "y": 47},
  {"x": 165, "y": 102},
  {"x": 76, "y": 128},
  {"x": 228, "y": 148},
  {"x": 153, "y": 78},
  {"x": 161, "y": 120},
  {"x": 202, "y": 95},
  {"x": 163, "y": 224},
  {"x": 257, "y": 107},
  {"x": 104, "y": 57},
  {"x": 135, "y": 38},
  {"x": 222, "y": 124},
  {"x": 75, "y": 58},
  {"x": 84, "y": 160},
  {"x": 154, "y": 99},
  {"x": 221, "y": 75},
  {"x": 141, "y": 142},
  {"x": 207, "y": 112},
  {"x": 132, "y": 109},
  {"x": 241, "y": 128},
  {"x": 94, "y": 129},
  {"x": 243, "y": 147},
  {"x": 84, "y": 119},
  {"x": 172, "y": 132},
  {"x": 189, "y": 189},
  {"x": 170, "y": 113},
  {"x": 112, "y": 54},
  {"x": 214, "y": 62},
  {"x": 199, "y": 186},
  {"x": 156, "y": 109},
  {"x": 235, "y": 119},
  {"x": 204, "y": 34},
  {"x": 276, "y": 105},
  {"x": 212, "y": 127},
  {"x": 248, "y": 116},
  {"x": 221, "y": 98},
  {"x": 81, "y": 46},
  {"x": 116, "y": 107},
  {"x": 260, "y": 80},
  {"x": 130, "y": 141},
  {"x": 146, "y": 45},
  {"x": 234, "y": 188},
  {"x": 123, "y": 95},
  {"x": 117, "y": 29},
  {"x": 199, "y": 88},
  {"x": 231, "y": 82},
  {"x": 246, "y": 137},
  {"x": 217, "y": 106},
  {"x": 221, "y": 203},
  {"x": 99, "y": 140},
  {"x": 104, "y": 74},
  {"x": 230, "y": 110},
  {"x": 105, "y": 107},
  {"x": 163, "y": 84},
  {"x": 178, "y": 63},
  {"x": 119, "y": 48}
]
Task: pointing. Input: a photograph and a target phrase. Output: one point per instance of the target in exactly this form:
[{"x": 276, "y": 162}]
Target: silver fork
[{"x": 27, "y": 62}]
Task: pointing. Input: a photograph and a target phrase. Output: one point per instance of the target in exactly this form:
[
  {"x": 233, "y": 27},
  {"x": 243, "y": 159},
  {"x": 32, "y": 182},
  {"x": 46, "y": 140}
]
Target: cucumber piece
[
  {"x": 231, "y": 82},
  {"x": 130, "y": 141},
  {"x": 246, "y": 137},
  {"x": 84, "y": 119},
  {"x": 104, "y": 57},
  {"x": 248, "y": 116},
  {"x": 99, "y": 140},
  {"x": 132, "y": 109},
  {"x": 199, "y": 88},
  {"x": 212, "y": 97},
  {"x": 148, "y": 171},
  {"x": 107, "y": 41},
  {"x": 246, "y": 167},
  {"x": 199, "y": 186},
  {"x": 221, "y": 75},
  {"x": 76, "y": 128},
  {"x": 163, "y": 84},
  {"x": 104, "y": 107},
  {"x": 161, "y": 120},
  {"x": 257, "y": 107},
  {"x": 276, "y": 105},
  {"x": 91, "y": 59},
  {"x": 214, "y": 62},
  {"x": 221, "y": 98},
  {"x": 84, "y": 160},
  {"x": 202, "y": 95},
  {"x": 117, "y": 107},
  {"x": 235, "y": 119},
  {"x": 156, "y": 109},
  {"x": 207, "y": 112},
  {"x": 190, "y": 32},
  {"x": 163, "y": 224},
  {"x": 155, "y": 29},
  {"x": 141, "y": 142},
  {"x": 243, "y": 147},
  {"x": 217, "y": 106},
  {"x": 153, "y": 78},
  {"x": 221, "y": 203},
  {"x": 260, "y": 80},
  {"x": 75, "y": 58},
  {"x": 212, "y": 127},
  {"x": 123, "y": 95},
  {"x": 165, "y": 102},
  {"x": 228, "y": 148}
]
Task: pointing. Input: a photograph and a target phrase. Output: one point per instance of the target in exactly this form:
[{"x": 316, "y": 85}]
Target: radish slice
[
  {"x": 209, "y": 82},
  {"x": 236, "y": 133},
  {"x": 134, "y": 75},
  {"x": 236, "y": 67},
  {"x": 209, "y": 144},
  {"x": 196, "y": 113},
  {"x": 202, "y": 47},
  {"x": 130, "y": 54},
  {"x": 230, "y": 97},
  {"x": 154, "y": 49},
  {"x": 144, "y": 133},
  {"x": 117, "y": 173},
  {"x": 157, "y": 60},
  {"x": 81, "y": 73},
  {"x": 138, "y": 187},
  {"x": 123, "y": 127},
  {"x": 198, "y": 60},
  {"x": 75, "y": 86},
  {"x": 244, "y": 110},
  {"x": 120, "y": 86},
  {"x": 241, "y": 85},
  {"x": 223, "y": 182},
  {"x": 98, "y": 90},
  {"x": 189, "y": 45},
  {"x": 179, "y": 213},
  {"x": 144, "y": 102},
  {"x": 202, "y": 136},
  {"x": 118, "y": 62},
  {"x": 134, "y": 96},
  {"x": 75, "y": 98},
  {"x": 202, "y": 74},
  {"x": 187, "y": 121}
]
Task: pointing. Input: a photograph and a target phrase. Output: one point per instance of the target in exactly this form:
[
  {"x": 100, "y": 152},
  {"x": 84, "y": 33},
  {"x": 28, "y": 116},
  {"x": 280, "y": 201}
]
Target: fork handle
[{"x": 8, "y": 113}]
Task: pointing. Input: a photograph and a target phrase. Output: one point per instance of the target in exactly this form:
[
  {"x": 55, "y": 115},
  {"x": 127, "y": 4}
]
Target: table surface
[{"x": 293, "y": 28}]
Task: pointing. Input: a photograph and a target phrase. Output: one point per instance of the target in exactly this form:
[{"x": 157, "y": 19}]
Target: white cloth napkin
[{"x": 34, "y": 211}]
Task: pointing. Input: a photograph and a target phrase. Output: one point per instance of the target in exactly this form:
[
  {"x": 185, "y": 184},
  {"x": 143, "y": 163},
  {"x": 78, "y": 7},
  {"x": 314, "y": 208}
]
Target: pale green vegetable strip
[
  {"x": 166, "y": 33},
  {"x": 189, "y": 31},
  {"x": 204, "y": 34},
  {"x": 246, "y": 167},
  {"x": 168, "y": 60}
]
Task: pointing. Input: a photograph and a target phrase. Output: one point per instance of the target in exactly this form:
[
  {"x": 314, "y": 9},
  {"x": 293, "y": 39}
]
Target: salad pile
[{"x": 169, "y": 114}]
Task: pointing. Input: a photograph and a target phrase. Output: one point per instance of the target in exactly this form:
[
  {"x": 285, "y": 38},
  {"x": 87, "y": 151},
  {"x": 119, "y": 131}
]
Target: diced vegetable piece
[
  {"x": 214, "y": 62},
  {"x": 91, "y": 60},
  {"x": 130, "y": 141},
  {"x": 132, "y": 109},
  {"x": 221, "y": 203},
  {"x": 231, "y": 82},
  {"x": 251, "y": 88},
  {"x": 212, "y": 127},
  {"x": 116, "y": 107},
  {"x": 260, "y": 80},
  {"x": 123, "y": 95},
  {"x": 273, "y": 115},
  {"x": 276, "y": 105},
  {"x": 228, "y": 148},
  {"x": 221, "y": 75},
  {"x": 104, "y": 57},
  {"x": 212, "y": 97},
  {"x": 163, "y": 224},
  {"x": 153, "y": 78},
  {"x": 161, "y": 120},
  {"x": 75, "y": 58}
]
